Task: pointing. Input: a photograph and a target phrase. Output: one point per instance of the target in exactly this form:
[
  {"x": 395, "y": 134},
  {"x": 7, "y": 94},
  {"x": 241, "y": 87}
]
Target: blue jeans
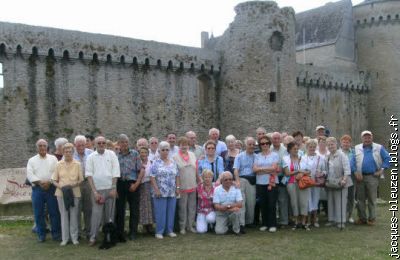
[
  {"x": 39, "y": 199},
  {"x": 165, "y": 214}
]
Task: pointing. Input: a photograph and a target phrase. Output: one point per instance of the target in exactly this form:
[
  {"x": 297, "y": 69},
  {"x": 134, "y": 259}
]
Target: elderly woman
[
  {"x": 266, "y": 169},
  {"x": 321, "y": 149},
  {"x": 146, "y": 218},
  {"x": 164, "y": 177},
  {"x": 59, "y": 144},
  {"x": 205, "y": 207},
  {"x": 345, "y": 144},
  {"x": 67, "y": 177},
  {"x": 186, "y": 162},
  {"x": 211, "y": 161},
  {"x": 230, "y": 155},
  {"x": 338, "y": 181},
  {"x": 316, "y": 164},
  {"x": 294, "y": 168},
  {"x": 239, "y": 145}
]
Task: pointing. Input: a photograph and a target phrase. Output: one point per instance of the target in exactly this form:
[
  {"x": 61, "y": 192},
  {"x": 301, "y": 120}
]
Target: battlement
[
  {"x": 315, "y": 77},
  {"x": 34, "y": 41},
  {"x": 381, "y": 20},
  {"x": 135, "y": 63}
]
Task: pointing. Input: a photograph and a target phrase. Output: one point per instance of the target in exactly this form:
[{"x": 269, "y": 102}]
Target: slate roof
[{"x": 322, "y": 25}]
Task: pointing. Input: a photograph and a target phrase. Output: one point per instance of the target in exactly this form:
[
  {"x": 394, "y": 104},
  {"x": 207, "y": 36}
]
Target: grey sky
[{"x": 173, "y": 21}]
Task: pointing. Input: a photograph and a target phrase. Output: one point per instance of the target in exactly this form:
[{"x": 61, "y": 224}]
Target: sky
[{"x": 171, "y": 21}]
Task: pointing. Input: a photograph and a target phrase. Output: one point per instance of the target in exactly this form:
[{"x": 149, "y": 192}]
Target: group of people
[{"x": 177, "y": 184}]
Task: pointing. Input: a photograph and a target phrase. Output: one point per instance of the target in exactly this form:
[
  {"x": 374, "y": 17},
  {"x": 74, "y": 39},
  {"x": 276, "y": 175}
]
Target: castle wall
[
  {"x": 258, "y": 60},
  {"x": 334, "y": 98},
  {"x": 378, "y": 50},
  {"x": 49, "y": 96}
]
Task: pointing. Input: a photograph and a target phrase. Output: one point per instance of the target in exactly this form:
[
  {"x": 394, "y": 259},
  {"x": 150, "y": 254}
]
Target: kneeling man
[{"x": 227, "y": 203}]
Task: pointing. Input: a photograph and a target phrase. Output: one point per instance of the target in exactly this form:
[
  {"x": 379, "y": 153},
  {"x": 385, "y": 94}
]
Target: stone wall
[
  {"x": 336, "y": 98},
  {"x": 49, "y": 96},
  {"x": 258, "y": 69},
  {"x": 378, "y": 50}
]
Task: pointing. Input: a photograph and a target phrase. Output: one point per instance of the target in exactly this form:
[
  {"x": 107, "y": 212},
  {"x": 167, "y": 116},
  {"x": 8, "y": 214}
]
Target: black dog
[{"x": 110, "y": 236}]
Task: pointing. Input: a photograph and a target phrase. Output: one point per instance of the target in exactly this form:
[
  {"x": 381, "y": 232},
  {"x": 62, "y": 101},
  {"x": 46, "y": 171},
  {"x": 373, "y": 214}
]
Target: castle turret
[
  {"x": 258, "y": 69},
  {"x": 377, "y": 26}
]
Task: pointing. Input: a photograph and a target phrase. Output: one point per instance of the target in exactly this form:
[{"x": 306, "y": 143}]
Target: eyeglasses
[
  {"x": 163, "y": 150},
  {"x": 101, "y": 142},
  {"x": 229, "y": 179},
  {"x": 265, "y": 143}
]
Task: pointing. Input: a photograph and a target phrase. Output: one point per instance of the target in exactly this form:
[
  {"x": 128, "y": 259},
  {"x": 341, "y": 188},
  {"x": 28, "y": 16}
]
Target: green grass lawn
[{"x": 354, "y": 242}]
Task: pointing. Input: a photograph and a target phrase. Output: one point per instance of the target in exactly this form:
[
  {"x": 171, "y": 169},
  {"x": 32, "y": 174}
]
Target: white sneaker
[
  {"x": 272, "y": 229},
  {"x": 328, "y": 224},
  {"x": 63, "y": 243},
  {"x": 193, "y": 230},
  {"x": 159, "y": 236},
  {"x": 351, "y": 220},
  {"x": 263, "y": 228},
  {"x": 316, "y": 225},
  {"x": 172, "y": 234},
  {"x": 75, "y": 242},
  {"x": 183, "y": 231}
]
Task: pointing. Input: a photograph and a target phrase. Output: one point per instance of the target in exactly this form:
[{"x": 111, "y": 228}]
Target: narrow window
[
  {"x": 272, "y": 96},
  {"x": 1, "y": 78}
]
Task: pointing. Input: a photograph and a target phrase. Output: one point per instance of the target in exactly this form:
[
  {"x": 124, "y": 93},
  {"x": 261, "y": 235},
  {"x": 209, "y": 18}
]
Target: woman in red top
[{"x": 205, "y": 208}]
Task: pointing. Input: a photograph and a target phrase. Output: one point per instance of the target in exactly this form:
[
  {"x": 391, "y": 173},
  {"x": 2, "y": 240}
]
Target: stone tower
[
  {"x": 258, "y": 69},
  {"x": 378, "y": 51}
]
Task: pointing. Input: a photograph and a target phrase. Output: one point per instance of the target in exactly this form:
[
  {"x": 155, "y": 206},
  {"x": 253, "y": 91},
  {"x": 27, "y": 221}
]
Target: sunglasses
[
  {"x": 101, "y": 143},
  {"x": 265, "y": 143},
  {"x": 163, "y": 150},
  {"x": 229, "y": 179}
]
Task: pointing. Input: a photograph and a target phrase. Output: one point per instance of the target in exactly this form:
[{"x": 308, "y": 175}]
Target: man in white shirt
[
  {"x": 102, "y": 171},
  {"x": 39, "y": 170}
]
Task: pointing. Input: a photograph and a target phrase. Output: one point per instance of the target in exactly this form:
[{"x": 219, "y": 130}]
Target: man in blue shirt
[
  {"x": 246, "y": 180},
  {"x": 227, "y": 203},
  {"x": 371, "y": 159}
]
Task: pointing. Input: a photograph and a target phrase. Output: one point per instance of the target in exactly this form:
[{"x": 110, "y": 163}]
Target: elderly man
[
  {"x": 246, "y": 181},
  {"x": 102, "y": 171},
  {"x": 81, "y": 154},
  {"x": 213, "y": 134},
  {"x": 39, "y": 170},
  {"x": 319, "y": 131},
  {"x": 142, "y": 142},
  {"x": 227, "y": 203},
  {"x": 283, "y": 196},
  {"x": 193, "y": 146},
  {"x": 260, "y": 132},
  {"x": 153, "y": 151},
  {"x": 371, "y": 159},
  {"x": 128, "y": 187},
  {"x": 171, "y": 139}
]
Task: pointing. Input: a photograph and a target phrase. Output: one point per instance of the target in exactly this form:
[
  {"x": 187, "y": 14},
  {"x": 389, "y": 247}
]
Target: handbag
[
  {"x": 305, "y": 182},
  {"x": 319, "y": 178}
]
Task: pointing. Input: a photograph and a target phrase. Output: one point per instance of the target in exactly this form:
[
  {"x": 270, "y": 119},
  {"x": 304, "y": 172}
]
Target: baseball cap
[{"x": 366, "y": 132}]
